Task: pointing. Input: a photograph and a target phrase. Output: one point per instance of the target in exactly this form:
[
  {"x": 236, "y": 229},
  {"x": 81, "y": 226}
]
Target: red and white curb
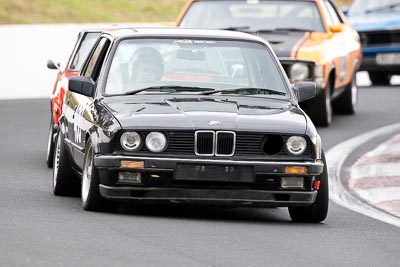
[
  {"x": 336, "y": 158},
  {"x": 375, "y": 177}
]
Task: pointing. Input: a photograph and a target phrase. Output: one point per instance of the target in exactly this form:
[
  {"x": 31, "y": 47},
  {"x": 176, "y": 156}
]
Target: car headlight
[
  {"x": 156, "y": 142},
  {"x": 131, "y": 141},
  {"x": 296, "y": 145},
  {"x": 299, "y": 72}
]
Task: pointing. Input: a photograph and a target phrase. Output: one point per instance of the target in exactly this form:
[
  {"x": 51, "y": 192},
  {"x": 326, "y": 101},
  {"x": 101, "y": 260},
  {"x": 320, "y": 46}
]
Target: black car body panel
[
  {"x": 183, "y": 112},
  {"x": 282, "y": 42}
]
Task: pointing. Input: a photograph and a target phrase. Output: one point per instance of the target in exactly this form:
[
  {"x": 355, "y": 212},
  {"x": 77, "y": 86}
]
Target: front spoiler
[{"x": 233, "y": 197}]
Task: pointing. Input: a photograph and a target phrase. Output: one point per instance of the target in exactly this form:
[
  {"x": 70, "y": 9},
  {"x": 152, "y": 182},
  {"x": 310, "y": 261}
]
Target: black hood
[
  {"x": 202, "y": 112},
  {"x": 282, "y": 42}
]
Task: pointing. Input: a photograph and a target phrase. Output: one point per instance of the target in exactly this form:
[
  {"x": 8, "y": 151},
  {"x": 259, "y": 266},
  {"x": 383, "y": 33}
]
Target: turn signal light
[
  {"x": 127, "y": 164},
  {"x": 296, "y": 170}
]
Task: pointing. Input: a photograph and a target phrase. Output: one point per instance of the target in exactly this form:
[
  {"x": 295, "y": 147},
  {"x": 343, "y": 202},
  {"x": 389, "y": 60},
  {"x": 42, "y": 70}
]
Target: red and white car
[{"x": 83, "y": 45}]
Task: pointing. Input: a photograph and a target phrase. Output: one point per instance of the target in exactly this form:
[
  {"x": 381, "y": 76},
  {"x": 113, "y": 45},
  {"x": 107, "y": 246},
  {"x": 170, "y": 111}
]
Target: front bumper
[
  {"x": 243, "y": 197},
  {"x": 237, "y": 193}
]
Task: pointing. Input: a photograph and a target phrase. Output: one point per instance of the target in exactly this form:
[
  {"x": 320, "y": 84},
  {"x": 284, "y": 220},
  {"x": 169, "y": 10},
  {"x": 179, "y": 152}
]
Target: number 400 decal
[{"x": 78, "y": 123}]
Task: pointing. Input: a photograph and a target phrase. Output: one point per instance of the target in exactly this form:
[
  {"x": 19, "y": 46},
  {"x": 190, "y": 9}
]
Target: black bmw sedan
[{"x": 189, "y": 116}]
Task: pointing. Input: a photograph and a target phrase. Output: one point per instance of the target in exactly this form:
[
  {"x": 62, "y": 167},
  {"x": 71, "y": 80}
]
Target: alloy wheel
[
  {"x": 56, "y": 162},
  {"x": 87, "y": 174}
]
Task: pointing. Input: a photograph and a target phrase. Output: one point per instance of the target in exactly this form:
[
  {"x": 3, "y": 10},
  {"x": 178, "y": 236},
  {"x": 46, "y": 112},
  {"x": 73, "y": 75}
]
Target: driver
[{"x": 147, "y": 65}]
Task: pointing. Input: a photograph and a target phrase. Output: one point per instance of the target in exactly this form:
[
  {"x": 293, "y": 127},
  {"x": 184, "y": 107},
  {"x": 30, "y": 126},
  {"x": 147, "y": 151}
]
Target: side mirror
[
  {"x": 305, "y": 90},
  {"x": 52, "y": 65},
  {"x": 337, "y": 28},
  {"x": 81, "y": 85}
]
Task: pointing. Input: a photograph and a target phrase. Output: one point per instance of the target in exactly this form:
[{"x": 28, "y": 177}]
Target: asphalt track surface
[{"x": 39, "y": 229}]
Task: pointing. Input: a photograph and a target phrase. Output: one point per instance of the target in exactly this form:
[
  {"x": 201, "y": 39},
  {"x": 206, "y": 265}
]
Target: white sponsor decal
[{"x": 194, "y": 42}]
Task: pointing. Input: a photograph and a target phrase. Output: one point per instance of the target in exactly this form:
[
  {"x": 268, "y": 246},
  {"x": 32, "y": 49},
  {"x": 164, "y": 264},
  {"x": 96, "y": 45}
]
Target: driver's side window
[{"x": 93, "y": 67}]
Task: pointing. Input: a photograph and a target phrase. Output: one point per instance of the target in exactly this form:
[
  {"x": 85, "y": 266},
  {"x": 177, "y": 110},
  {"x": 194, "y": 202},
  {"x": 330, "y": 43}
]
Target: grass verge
[{"x": 92, "y": 11}]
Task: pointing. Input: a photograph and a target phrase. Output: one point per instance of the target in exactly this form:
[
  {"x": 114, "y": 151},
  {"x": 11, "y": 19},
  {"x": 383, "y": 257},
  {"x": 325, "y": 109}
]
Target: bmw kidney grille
[{"x": 215, "y": 143}]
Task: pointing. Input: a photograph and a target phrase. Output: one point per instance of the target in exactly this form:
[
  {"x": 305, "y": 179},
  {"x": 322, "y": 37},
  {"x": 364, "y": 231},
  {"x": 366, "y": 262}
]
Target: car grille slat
[
  {"x": 180, "y": 143},
  {"x": 249, "y": 144}
]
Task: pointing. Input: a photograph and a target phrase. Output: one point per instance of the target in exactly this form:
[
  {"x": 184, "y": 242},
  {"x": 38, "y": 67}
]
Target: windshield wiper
[
  {"x": 170, "y": 88},
  {"x": 235, "y": 28},
  {"x": 392, "y": 6},
  {"x": 293, "y": 29},
  {"x": 280, "y": 30},
  {"x": 247, "y": 90},
  {"x": 247, "y": 29}
]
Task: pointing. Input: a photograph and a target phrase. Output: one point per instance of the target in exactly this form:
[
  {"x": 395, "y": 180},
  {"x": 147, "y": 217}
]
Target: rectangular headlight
[{"x": 130, "y": 177}]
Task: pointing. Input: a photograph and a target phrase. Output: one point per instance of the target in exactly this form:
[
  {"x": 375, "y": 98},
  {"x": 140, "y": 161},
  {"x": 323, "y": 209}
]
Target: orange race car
[{"x": 312, "y": 39}]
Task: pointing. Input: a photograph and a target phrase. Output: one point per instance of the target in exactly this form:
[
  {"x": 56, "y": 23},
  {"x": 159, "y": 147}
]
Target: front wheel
[
  {"x": 65, "y": 183},
  {"x": 50, "y": 144},
  {"x": 317, "y": 211},
  {"x": 379, "y": 78},
  {"x": 90, "y": 192},
  {"x": 346, "y": 103},
  {"x": 319, "y": 108}
]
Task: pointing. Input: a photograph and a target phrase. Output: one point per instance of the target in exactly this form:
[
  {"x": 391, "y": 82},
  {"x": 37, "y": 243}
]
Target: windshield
[
  {"x": 371, "y": 6},
  {"x": 256, "y": 15},
  {"x": 83, "y": 50},
  {"x": 193, "y": 66}
]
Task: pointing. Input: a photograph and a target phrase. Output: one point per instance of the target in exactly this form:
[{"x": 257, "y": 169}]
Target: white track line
[{"x": 336, "y": 157}]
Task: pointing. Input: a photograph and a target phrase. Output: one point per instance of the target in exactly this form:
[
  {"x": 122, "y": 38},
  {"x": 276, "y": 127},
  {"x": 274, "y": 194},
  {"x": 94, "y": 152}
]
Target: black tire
[
  {"x": 379, "y": 78},
  {"x": 90, "y": 191},
  {"x": 319, "y": 108},
  {"x": 50, "y": 144},
  {"x": 65, "y": 183},
  {"x": 318, "y": 211},
  {"x": 346, "y": 103}
]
